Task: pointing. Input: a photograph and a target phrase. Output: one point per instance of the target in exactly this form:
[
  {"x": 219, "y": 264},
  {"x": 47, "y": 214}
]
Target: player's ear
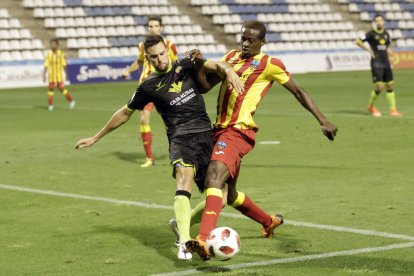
[{"x": 263, "y": 41}]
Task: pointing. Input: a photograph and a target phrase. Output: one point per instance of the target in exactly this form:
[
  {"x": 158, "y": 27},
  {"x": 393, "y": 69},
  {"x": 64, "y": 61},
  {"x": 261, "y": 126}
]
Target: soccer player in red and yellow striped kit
[
  {"x": 55, "y": 65},
  {"x": 154, "y": 27},
  {"x": 234, "y": 131}
]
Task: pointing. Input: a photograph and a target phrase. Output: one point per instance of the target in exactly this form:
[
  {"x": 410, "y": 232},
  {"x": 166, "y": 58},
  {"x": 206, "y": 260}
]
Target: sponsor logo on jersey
[
  {"x": 176, "y": 87},
  {"x": 159, "y": 86}
]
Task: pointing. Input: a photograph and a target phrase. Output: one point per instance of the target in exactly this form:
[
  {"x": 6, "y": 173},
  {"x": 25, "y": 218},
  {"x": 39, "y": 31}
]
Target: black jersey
[
  {"x": 379, "y": 42},
  {"x": 176, "y": 97}
]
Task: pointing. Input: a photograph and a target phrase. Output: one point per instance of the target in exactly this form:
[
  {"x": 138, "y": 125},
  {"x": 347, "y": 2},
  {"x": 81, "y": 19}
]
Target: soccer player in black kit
[
  {"x": 379, "y": 41},
  {"x": 175, "y": 89}
]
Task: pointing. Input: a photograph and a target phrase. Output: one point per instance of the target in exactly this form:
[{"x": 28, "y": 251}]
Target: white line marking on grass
[
  {"x": 295, "y": 259},
  {"x": 269, "y": 142},
  {"x": 230, "y": 215}
]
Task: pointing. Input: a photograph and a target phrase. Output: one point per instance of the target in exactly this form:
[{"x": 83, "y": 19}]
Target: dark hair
[
  {"x": 152, "y": 40},
  {"x": 54, "y": 40},
  {"x": 256, "y": 25},
  {"x": 154, "y": 18},
  {"x": 378, "y": 15}
]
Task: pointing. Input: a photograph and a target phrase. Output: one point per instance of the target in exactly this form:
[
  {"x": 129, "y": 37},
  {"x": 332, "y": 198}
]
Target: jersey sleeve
[
  {"x": 172, "y": 51},
  {"x": 141, "y": 56},
  {"x": 138, "y": 100},
  {"x": 46, "y": 64},
  {"x": 63, "y": 59},
  {"x": 276, "y": 71}
]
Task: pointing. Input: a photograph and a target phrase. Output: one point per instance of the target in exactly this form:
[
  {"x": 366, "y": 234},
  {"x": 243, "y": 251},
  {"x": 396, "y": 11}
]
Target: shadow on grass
[
  {"x": 135, "y": 157},
  {"x": 287, "y": 166}
]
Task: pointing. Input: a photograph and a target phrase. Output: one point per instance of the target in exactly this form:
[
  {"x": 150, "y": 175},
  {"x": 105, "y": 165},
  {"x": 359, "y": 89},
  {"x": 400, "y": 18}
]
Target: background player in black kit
[
  {"x": 379, "y": 41},
  {"x": 175, "y": 89}
]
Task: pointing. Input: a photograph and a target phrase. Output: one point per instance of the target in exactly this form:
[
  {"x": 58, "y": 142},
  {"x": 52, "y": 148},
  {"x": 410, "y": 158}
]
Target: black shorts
[
  {"x": 192, "y": 150},
  {"x": 381, "y": 74}
]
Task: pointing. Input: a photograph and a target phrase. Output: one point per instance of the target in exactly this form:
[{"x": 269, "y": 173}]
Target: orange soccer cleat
[
  {"x": 198, "y": 246},
  {"x": 374, "y": 112},
  {"x": 276, "y": 221},
  {"x": 395, "y": 113}
]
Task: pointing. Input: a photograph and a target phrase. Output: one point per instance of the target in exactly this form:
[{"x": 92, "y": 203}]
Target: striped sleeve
[
  {"x": 141, "y": 56},
  {"x": 172, "y": 50},
  {"x": 47, "y": 60},
  {"x": 276, "y": 71},
  {"x": 63, "y": 59}
]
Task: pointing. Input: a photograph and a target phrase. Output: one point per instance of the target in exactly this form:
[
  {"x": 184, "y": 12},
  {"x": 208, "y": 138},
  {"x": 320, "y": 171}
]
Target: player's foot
[
  {"x": 198, "y": 246},
  {"x": 183, "y": 254},
  {"x": 374, "y": 112},
  {"x": 148, "y": 163},
  {"x": 51, "y": 108},
  {"x": 173, "y": 225},
  {"x": 72, "y": 104},
  {"x": 276, "y": 221},
  {"x": 395, "y": 113}
]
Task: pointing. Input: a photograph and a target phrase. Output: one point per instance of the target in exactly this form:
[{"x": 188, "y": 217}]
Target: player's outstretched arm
[
  {"x": 362, "y": 45},
  {"x": 328, "y": 129},
  {"x": 221, "y": 70},
  {"x": 119, "y": 118},
  {"x": 132, "y": 68}
]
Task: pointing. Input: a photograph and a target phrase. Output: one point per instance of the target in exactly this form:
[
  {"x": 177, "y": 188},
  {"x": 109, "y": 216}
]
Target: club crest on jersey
[
  {"x": 254, "y": 64},
  {"x": 221, "y": 145},
  {"x": 176, "y": 87}
]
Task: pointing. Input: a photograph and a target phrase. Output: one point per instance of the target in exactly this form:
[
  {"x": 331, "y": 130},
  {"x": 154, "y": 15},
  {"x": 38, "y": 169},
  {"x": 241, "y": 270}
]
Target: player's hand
[
  {"x": 86, "y": 142},
  {"x": 329, "y": 130},
  {"x": 194, "y": 54},
  {"x": 126, "y": 74},
  {"x": 372, "y": 54},
  {"x": 234, "y": 81}
]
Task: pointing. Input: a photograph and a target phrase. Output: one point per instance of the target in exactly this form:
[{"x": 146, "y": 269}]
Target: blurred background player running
[
  {"x": 154, "y": 27},
  {"x": 379, "y": 41},
  {"x": 55, "y": 65}
]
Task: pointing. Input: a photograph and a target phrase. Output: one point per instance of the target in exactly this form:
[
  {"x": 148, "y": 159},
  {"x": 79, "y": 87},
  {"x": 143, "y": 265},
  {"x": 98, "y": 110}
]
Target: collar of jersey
[
  {"x": 377, "y": 31},
  {"x": 165, "y": 72},
  {"x": 252, "y": 57}
]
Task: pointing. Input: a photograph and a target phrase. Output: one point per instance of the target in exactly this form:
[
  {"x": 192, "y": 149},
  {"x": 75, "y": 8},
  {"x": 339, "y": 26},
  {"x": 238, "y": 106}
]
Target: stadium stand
[
  {"x": 106, "y": 28},
  {"x": 16, "y": 42},
  {"x": 101, "y": 28},
  {"x": 398, "y": 13}
]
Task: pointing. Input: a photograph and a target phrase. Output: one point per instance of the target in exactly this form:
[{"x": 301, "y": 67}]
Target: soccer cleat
[
  {"x": 395, "y": 113},
  {"x": 51, "y": 108},
  {"x": 198, "y": 246},
  {"x": 173, "y": 225},
  {"x": 374, "y": 112},
  {"x": 72, "y": 105},
  {"x": 148, "y": 163},
  {"x": 276, "y": 221},
  {"x": 183, "y": 254}
]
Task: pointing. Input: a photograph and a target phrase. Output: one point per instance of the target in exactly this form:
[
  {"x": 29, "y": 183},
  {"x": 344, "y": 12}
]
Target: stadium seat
[{"x": 5, "y": 56}]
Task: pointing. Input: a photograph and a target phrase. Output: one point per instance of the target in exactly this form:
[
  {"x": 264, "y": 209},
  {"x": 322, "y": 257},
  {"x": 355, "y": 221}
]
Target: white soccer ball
[{"x": 223, "y": 243}]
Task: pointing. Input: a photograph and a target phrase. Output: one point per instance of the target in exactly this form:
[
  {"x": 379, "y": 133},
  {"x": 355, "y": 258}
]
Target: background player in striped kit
[
  {"x": 154, "y": 27},
  {"x": 55, "y": 67}
]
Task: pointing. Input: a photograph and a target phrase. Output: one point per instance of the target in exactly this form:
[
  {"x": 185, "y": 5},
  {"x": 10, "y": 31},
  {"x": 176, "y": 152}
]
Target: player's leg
[
  {"x": 51, "y": 95},
  {"x": 146, "y": 134},
  {"x": 247, "y": 207},
  {"x": 67, "y": 95},
  {"x": 389, "y": 81},
  {"x": 378, "y": 87}
]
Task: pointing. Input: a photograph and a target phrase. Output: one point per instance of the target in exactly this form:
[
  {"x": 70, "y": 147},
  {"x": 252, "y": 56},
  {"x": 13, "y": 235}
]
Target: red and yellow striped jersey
[
  {"x": 55, "y": 62},
  {"x": 257, "y": 74},
  {"x": 147, "y": 69}
]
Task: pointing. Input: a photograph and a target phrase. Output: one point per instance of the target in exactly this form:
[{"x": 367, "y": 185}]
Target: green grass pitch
[{"x": 362, "y": 180}]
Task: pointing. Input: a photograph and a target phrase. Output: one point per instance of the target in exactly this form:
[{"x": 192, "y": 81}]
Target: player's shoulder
[{"x": 276, "y": 62}]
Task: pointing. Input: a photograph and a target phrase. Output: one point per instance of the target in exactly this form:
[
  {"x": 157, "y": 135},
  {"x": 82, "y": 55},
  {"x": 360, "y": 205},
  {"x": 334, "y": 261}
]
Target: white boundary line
[
  {"x": 238, "y": 216},
  {"x": 295, "y": 259}
]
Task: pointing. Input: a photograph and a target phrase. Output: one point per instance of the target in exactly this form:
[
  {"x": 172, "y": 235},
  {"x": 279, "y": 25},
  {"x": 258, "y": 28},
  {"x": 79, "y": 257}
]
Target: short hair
[
  {"x": 54, "y": 40},
  {"x": 154, "y": 18},
  {"x": 152, "y": 40},
  {"x": 378, "y": 15},
  {"x": 256, "y": 25}
]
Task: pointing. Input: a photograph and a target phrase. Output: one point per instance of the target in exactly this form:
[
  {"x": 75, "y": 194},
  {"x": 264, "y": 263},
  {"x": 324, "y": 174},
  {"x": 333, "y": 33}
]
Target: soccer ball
[{"x": 223, "y": 243}]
